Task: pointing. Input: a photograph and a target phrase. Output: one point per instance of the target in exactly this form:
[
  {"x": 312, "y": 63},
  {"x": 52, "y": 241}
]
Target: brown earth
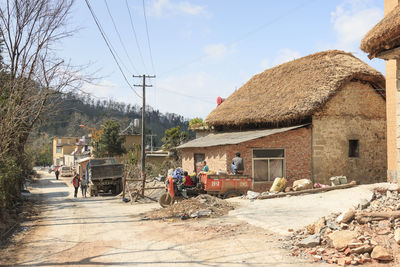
[{"x": 103, "y": 231}]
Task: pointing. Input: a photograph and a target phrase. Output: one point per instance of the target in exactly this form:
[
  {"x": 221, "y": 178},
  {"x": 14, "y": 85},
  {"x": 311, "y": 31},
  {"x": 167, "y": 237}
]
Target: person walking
[
  {"x": 237, "y": 164},
  {"x": 57, "y": 173},
  {"x": 75, "y": 182},
  {"x": 83, "y": 186}
]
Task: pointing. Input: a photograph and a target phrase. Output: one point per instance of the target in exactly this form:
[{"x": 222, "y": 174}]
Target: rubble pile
[
  {"x": 200, "y": 206},
  {"x": 368, "y": 233}
]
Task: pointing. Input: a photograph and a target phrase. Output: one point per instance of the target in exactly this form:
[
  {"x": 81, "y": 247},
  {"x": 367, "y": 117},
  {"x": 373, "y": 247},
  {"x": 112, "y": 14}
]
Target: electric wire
[
  {"x": 119, "y": 36},
  {"x": 134, "y": 34},
  {"x": 148, "y": 37},
  {"x": 244, "y": 36},
  {"x": 109, "y": 46}
]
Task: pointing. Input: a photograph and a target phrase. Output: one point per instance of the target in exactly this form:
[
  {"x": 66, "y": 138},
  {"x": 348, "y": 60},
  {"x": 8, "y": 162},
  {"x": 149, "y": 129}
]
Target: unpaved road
[{"x": 104, "y": 231}]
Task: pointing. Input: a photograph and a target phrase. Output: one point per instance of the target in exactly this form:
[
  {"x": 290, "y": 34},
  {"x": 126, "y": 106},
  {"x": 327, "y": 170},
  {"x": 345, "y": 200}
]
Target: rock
[
  {"x": 319, "y": 225},
  {"x": 332, "y": 225},
  {"x": 381, "y": 253},
  {"x": 362, "y": 249},
  {"x": 311, "y": 241},
  {"x": 364, "y": 203},
  {"x": 201, "y": 213},
  {"x": 346, "y": 217},
  {"x": 311, "y": 229},
  {"x": 397, "y": 235},
  {"x": 340, "y": 239}
]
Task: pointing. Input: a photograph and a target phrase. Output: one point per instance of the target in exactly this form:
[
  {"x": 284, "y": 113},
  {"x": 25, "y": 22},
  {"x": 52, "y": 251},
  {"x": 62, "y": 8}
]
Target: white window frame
[
  {"x": 269, "y": 165},
  {"x": 59, "y": 141}
]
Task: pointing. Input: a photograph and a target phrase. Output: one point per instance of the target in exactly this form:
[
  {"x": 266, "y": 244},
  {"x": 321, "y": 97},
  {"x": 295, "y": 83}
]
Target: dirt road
[{"x": 104, "y": 231}]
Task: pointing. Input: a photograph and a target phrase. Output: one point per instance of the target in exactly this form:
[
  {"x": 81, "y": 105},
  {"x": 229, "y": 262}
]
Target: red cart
[{"x": 225, "y": 185}]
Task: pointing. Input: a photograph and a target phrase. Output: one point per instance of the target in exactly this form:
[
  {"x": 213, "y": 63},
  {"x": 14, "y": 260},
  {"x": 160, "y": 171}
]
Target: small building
[
  {"x": 319, "y": 116},
  {"x": 383, "y": 41},
  {"x": 63, "y": 146}
]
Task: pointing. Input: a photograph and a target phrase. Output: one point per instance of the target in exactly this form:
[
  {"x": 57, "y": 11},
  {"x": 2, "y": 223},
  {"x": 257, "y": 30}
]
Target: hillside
[{"x": 71, "y": 111}]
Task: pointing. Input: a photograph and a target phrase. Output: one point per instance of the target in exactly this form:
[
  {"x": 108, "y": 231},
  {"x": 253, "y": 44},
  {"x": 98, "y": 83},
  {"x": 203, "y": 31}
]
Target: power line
[
  {"x": 119, "y": 36},
  {"x": 148, "y": 38},
  {"x": 134, "y": 34},
  {"x": 109, "y": 45},
  {"x": 244, "y": 36}
]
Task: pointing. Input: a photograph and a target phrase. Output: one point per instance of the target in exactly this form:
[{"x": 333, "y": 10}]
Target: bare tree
[{"x": 33, "y": 73}]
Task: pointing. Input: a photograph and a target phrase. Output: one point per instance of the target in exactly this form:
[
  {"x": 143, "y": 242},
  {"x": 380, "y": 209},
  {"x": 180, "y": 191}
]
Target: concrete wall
[
  {"x": 392, "y": 109},
  {"x": 67, "y": 144},
  {"x": 356, "y": 112}
]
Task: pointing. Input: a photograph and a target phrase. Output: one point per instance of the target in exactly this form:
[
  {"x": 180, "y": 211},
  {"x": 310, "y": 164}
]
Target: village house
[
  {"x": 319, "y": 116},
  {"x": 383, "y": 41},
  {"x": 62, "y": 146}
]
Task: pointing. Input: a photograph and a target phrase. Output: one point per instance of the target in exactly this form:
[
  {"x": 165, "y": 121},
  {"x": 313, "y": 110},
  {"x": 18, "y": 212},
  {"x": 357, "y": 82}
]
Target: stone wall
[{"x": 355, "y": 112}]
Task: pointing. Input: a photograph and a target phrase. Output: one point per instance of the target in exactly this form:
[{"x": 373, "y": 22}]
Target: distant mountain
[{"x": 70, "y": 111}]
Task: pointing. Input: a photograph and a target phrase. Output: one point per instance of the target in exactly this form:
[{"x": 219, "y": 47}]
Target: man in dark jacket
[
  {"x": 57, "y": 172},
  {"x": 237, "y": 164}
]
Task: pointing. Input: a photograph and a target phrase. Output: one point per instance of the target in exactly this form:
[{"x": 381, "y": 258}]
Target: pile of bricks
[{"x": 368, "y": 233}]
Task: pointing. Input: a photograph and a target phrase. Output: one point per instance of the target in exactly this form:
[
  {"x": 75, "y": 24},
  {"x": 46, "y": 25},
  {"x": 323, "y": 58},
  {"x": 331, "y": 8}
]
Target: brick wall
[
  {"x": 356, "y": 112},
  {"x": 297, "y": 145}
]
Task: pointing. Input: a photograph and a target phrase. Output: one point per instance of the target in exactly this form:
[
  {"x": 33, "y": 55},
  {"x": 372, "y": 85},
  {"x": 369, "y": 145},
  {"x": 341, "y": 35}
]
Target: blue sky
[{"x": 203, "y": 49}]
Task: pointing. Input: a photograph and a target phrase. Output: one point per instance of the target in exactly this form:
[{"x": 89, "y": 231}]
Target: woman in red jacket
[{"x": 75, "y": 182}]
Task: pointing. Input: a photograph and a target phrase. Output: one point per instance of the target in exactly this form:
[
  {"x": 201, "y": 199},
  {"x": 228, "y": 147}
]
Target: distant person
[
  {"x": 237, "y": 164},
  {"x": 83, "y": 186},
  {"x": 75, "y": 182},
  {"x": 187, "y": 180},
  {"x": 205, "y": 167},
  {"x": 57, "y": 174}
]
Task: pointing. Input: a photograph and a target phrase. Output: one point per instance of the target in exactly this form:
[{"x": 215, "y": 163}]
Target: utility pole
[{"x": 143, "y": 85}]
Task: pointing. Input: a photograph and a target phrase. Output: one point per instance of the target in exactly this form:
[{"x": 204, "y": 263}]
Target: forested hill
[{"x": 72, "y": 111}]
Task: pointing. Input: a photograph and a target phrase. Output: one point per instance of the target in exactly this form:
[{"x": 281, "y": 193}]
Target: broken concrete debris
[
  {"x": 201, "y": 206},
  {"x": 368, "y": 234}
]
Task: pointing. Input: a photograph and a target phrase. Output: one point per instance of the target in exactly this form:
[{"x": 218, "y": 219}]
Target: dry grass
[
  {"x": 384, "y": 35},
  {"x": 293, "y": 91}
]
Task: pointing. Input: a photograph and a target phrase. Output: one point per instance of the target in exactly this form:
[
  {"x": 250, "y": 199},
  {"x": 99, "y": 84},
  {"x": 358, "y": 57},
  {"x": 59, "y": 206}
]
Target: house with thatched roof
[
  {"x": 315, "y": 117},
  {"x": 383, "y": 41}
]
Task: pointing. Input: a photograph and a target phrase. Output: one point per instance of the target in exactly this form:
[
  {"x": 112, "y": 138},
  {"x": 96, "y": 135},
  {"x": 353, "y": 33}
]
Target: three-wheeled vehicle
[{"x": 222, "y": 185}]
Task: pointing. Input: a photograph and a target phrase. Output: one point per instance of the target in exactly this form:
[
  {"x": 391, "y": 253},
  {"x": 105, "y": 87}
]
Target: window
[
  {"x": 59, "y": 150},
  {"x": 268, "y": 164},
  {"x": 59, "y": 141},
  {"x": 353, "y": 149},
  {"x": 68, "y": 141}
]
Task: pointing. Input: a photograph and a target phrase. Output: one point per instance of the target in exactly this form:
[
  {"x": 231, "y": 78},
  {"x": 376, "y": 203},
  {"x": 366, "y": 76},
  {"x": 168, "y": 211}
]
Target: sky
[{"x": 202, "y": 49}]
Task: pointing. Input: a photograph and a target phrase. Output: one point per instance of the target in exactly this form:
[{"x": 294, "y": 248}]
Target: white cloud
[
  {"x": 161, "y": 8},
  {"x": 218, "y": 51},
  {"x": 283, "y": 55},
  {"x": 351, "y": 21}
]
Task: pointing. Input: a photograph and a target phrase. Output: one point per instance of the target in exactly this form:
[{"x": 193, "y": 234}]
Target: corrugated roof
[{"x": 234, "y": 137}]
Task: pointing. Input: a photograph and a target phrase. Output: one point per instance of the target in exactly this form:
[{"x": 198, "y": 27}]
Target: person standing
[
  {"x": 57, "y": 173},
  {"x": 75, "y": 182},
  {"x": 83, "y": 186},
  {"x": 205, "y": 167},
  {"x": 237, "y": 164}
]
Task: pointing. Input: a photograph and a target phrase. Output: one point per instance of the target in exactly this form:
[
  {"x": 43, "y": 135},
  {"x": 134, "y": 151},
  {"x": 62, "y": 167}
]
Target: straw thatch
[
  {"x": 383, "y": 36},
  {"x": 292, "y": 92}
]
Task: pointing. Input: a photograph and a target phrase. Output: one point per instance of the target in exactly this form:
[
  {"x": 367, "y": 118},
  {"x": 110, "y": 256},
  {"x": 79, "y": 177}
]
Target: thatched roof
[
  {"x": 293, "y": 91},
  {"x": 383, "y": 36}
]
